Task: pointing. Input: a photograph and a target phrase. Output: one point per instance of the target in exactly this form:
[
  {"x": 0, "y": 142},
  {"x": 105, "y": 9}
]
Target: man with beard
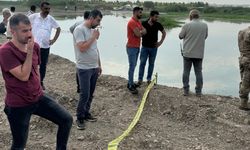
[
  {"x": 42, "y": 25},
  {"x": 135, "y": 31},
  {"x": 88, "y": 64},
  {"x": 150, "y": 45},
  {"x": 19, "y": 61}
]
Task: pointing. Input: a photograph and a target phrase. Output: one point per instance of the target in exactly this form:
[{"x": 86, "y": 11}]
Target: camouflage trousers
[{"x": 244, "y": 63}]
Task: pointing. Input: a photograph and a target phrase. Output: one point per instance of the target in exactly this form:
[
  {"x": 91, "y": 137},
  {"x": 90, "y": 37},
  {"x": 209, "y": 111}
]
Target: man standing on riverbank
[
  {"x": 135, "y": 31},
  {"x": 244, "y": 63},
  {"x": 19, "y": 61},
  {"x": 88, "y": 64},
  {"x": 42, "y": 25},
  {"x": 71, "y": 29},
  {"x": 194, "y": 35},
  {"x": 150, "y": 45},
  {"x": 3, "y": 25}
]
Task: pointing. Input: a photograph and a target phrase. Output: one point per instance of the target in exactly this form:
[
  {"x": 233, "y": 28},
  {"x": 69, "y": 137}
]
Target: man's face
[
  {"x": 95, "y": 22},
  {"x": 139, "y": 14},
  {"x": 22, "y": 33},
  {"x": 154, "y": 18},
  {"x": 45, "y": 9}
]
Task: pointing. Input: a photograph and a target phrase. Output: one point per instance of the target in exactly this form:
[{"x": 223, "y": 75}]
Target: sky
[{"x": 220, "y": 2}]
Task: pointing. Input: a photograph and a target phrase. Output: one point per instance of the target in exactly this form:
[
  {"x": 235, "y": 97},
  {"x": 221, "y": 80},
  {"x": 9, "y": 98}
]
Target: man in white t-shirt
[{"x": 42, "y": 25}]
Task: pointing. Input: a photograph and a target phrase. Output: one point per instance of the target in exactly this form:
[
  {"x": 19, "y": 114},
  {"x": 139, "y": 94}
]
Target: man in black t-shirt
[{"x": 150, "y": 45}]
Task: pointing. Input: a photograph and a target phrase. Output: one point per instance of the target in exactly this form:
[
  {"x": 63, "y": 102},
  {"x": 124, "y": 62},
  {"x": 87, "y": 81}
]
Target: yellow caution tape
[{"x": 114, "y": 144}]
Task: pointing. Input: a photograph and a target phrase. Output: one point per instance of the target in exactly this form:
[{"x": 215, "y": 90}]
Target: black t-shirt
[
  {"x": 150, "y": 39},
  {"x": 2, "y": 28}
]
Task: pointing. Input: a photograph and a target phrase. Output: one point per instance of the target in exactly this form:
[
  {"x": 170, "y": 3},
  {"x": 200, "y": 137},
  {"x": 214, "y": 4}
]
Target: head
[
  {"x": 45, "y": 8},
  {"x": 95, "y": 17},
  {"x": 6, "y": 13},
  {"x": 154, "y": 16},
  {"x": 20, "y": 28},
  {"x": 194, "y": 14},
  {"x": 33, "y": 8},
  {"x": 137, "y": 12},
  {"x": 12, "y": 9},
  {"x": 86, "y": 15}
]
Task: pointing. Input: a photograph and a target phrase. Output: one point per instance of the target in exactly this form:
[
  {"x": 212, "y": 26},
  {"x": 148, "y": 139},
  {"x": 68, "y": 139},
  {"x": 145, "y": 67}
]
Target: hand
[
  {"x": 51, "y": 42},
  {"x": 96, "y": 34},
  {"x": 143, "y": 31},
  {"x": 99, "y": 71},
  {"x": 30, "y": 45}
]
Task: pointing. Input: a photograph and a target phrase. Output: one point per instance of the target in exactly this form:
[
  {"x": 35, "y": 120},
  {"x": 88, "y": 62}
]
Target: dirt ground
[{"x": 169, "y": 121}]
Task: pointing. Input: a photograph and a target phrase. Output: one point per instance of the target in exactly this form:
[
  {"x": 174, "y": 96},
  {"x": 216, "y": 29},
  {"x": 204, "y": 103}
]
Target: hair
[
  {"x": 86, "y": 15},
  {"x": 154, "y": 12},
  {"x": 94, "y": 13},
  {"x": 137, "y": 8},
  {"x": 194, "y": 14},
  {"x": 6, "y": 11},
  {"x": 18, "y": 18},
  {"x": 12, "y": 9},
  {"x": 44, "y": 3},
  {"x": 33, "y": 8}
]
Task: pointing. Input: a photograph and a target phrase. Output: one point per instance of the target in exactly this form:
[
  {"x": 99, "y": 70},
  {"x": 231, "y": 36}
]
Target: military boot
[{"x": 244, "y": 104}]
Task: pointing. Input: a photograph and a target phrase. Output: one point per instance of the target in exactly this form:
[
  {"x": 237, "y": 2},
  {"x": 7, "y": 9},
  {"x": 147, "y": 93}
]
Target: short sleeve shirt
[
  {"x": 42, "y": 28},
  {"x": 133, "y": 40},
  {"x": 89, "y": 58},
  {"x": 20, "y": 93},
  {"x": 150, "y": 39}
]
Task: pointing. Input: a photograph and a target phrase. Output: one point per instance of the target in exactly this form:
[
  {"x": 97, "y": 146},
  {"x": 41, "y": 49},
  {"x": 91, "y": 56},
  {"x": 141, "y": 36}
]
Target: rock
[{"x": 80, "y": 138}]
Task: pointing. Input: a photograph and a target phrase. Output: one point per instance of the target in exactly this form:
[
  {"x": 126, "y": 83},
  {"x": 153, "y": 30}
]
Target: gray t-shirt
[
  {"x": 194, "y": 35},
  {"x": 89, "y": 58}
]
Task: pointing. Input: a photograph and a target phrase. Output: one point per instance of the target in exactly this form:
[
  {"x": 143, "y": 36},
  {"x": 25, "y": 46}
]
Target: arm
[
  {"x": 182, "y": 33},
  {"x": 99, "y": 63},
  {"x": 58, "y": 30},
  {"x": 138, "y": 32},
  {"x": 85, "y": 45},
  {"x": 163, "y": 35},
  {"x": 22, "y": 72}
]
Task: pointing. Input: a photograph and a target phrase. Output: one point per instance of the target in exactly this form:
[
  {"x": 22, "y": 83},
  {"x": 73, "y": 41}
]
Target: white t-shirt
[{"x": 42, "y": 28}]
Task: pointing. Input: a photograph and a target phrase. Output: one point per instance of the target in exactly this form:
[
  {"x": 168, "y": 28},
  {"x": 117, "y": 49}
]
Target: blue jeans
[
  {"x": 87, "y": 80},
  {"x": 132, "y": 59},
  {"x": 46, "y": 107},
  {"x": 44, "y": 60},
  {"x": 150, "y": 54},
  {"x": 187, "y": 64}
]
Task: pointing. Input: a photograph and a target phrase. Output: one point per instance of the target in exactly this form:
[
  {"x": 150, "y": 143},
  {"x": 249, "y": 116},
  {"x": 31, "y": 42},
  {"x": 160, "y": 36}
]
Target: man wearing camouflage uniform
[{"x": 244, "y": 62}]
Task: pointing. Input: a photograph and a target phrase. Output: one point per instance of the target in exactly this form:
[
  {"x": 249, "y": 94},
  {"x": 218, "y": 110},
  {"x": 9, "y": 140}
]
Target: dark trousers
[
  {"x": 46, "y": 107},
  {"x": 44, "y": 60},
  {"x": 87, "y": 80},
  {"x": 187, "y": 65}
]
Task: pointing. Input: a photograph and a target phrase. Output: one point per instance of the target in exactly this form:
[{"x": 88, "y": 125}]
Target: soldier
[{"x": 244, "y": 62}]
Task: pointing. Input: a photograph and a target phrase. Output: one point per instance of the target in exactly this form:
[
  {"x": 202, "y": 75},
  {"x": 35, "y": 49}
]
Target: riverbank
[{"x": 169, "y": 120}]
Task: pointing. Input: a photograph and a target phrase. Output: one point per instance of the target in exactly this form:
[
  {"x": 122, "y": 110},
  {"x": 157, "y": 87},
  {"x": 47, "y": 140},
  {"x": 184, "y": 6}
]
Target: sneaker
[
  {"x": 186, "y": 93},
  {"x": 132, "y": 89},
  {"x": 80, "y": 124},
  {"x": 198, "y": 94},
  {"x": 90, "y": 118},
  {"x": 148, "y": 82},
  {"x": 138, "y": 84}
]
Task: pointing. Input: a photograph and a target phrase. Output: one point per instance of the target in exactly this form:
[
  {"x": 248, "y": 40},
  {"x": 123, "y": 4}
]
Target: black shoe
[
  {"x": 138, "y": 84},
  {"x": 90, "y": 118},
  {"x": 148, "y": 82},
  {"x": 186, "y": 93},
  {"x": 132, "y": 89},
  {"x": 80, "y": 124}
]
